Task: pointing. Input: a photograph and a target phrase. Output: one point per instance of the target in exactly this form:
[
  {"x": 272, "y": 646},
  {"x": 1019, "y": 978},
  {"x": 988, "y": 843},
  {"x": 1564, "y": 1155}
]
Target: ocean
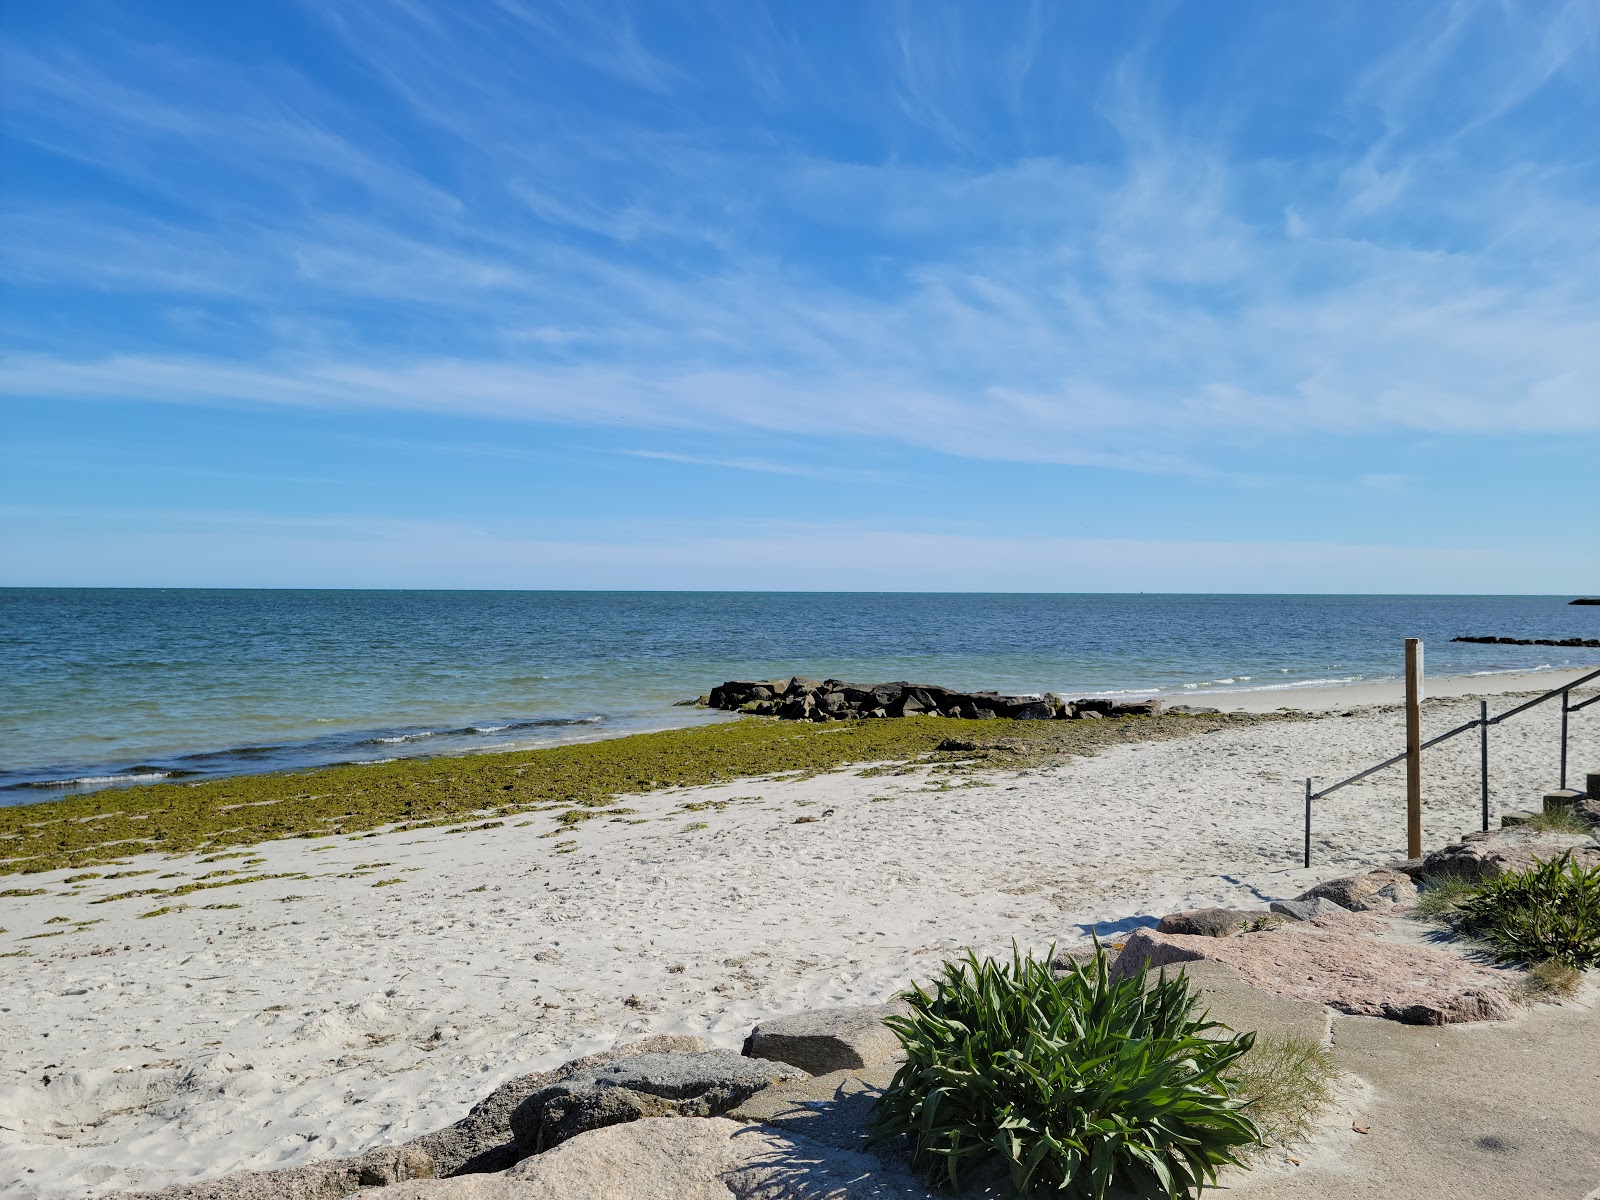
[{"x": 100, "y": 687}]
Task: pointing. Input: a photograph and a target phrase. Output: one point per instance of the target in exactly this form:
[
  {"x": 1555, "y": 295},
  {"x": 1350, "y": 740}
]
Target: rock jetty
[
  {"x": 801, "y": 699},
  {"x": 1591, "y": 643}
]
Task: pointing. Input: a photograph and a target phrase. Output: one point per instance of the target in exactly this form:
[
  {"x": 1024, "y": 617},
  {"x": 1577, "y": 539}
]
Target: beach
[{"x": 367, "y": 989}]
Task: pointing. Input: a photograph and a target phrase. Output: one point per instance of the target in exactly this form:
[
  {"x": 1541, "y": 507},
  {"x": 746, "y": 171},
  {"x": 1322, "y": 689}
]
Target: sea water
[{"x": 107, "y": 686}]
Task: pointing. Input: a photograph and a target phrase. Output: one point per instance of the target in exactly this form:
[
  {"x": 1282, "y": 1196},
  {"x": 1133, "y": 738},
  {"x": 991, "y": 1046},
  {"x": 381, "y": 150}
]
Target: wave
[
  {"x": 130, "y": 775},
  {"x": 246, "y": 752},
  {"x": 399, "y": 739},
  {"x": 330, "y": 749}
]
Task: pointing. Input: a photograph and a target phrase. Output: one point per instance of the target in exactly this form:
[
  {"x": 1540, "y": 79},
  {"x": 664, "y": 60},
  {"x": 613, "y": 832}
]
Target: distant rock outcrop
[
  {"x": 801, "y": 699},
  {"x": 1590, "y": 643}
]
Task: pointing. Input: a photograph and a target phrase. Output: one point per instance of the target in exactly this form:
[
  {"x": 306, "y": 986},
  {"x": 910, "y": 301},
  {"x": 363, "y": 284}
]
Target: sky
[{"x": 1290, "y": 297}]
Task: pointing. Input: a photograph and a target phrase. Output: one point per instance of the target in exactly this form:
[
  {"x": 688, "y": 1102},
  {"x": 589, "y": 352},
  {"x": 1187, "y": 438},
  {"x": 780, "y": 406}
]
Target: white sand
[{"x": 327, "y": 1015}]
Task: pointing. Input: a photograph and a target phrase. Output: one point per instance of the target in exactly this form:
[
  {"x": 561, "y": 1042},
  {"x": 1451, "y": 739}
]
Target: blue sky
[{"x": 1080, "y": 297}]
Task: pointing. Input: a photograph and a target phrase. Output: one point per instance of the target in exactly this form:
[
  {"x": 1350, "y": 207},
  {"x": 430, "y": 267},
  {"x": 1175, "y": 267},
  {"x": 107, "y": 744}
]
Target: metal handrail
[{"x": 1482, "y": 721}]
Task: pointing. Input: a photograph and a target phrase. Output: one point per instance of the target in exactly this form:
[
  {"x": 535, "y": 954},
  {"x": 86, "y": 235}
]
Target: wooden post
[{"x": 1413, "y": 748}]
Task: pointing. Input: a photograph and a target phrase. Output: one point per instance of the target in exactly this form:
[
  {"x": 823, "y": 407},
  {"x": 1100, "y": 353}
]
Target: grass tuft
[
  {"x": 1550, "y": 980},
  {"x": 1562, "y": 820},
  {"x": 1287, "y": 1080},
  {"x": 1442, "y": 896}
]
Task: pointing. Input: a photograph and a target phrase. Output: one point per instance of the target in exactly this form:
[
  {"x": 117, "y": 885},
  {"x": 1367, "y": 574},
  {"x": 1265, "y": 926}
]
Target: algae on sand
[{"x": 106, "y": 826}]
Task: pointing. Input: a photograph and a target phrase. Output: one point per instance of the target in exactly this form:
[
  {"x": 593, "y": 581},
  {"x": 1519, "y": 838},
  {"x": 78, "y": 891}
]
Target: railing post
[
  {"x": 1413, "y": 748},
  {"x": 1308, "y": 823},
  {"x": 1566, "y": 699},
  {"x": 1483, "y": 759}
]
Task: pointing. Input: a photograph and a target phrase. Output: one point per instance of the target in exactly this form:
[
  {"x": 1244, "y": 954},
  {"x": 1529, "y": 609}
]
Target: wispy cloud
[{"x": 999, "y": 245}]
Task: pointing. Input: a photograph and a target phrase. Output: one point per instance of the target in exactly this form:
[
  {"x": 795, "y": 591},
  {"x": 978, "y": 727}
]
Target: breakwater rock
[
  {"x": 1592, "y": 643},
  {"x": 801, "y": 699}
]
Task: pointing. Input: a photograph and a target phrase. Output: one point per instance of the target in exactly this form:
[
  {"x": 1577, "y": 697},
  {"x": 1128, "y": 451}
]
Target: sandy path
[{"x": 327, "y": 1014}]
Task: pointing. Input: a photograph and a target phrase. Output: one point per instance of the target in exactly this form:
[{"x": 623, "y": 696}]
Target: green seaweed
[
  {"x": 98, "y": 828},
  {"x": 161, "y": 912}
]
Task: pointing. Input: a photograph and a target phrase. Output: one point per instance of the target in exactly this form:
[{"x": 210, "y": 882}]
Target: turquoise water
[{"x": 105, "y": 686}]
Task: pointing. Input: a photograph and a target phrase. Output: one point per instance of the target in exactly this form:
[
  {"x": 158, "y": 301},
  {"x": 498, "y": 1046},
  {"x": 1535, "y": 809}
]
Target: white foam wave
[{"x": 83, "y": 779}]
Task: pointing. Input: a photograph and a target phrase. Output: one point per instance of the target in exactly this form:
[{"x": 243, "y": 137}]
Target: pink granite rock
[{"x": 1340, "y": 966}]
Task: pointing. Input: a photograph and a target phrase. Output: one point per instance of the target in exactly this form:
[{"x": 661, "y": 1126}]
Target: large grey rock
[
  {"x": 482, "y": 1140},
  {"x": 1306, "y": 910},
  {"x": 829, "y": 1039},
  {"x": 665, "y": 1159},
  {"x": 1211, "y": 922},
  {"x": 643, "y": 1085},
  {"x": 1374, "y": 889}
]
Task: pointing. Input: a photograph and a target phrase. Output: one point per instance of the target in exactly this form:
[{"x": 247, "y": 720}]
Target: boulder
[
  {"x": 482, "y": 1140},
  {"x": 829, "y": 1039},
  {"x": 1211, "y": 922},
  {"x": 1305, "y": 910},
  {"x": 1348, "y": 970},
  {"x": 1141, "y": 708},
  {"x": 642, "y": 1085},
  {"x": 907, "y": 706},
  {"x": 798, "y": 706},
  {"x": 1375, "y": 889},
  {"x": 1032, "y": 710}
]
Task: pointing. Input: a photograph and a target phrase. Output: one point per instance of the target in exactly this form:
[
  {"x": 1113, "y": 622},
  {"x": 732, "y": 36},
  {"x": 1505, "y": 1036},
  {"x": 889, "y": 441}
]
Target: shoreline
[
  {"x": 1392, "y": 691},
  {"x": 1265, "y": 699},
  {"x": 338, "y": 993}
]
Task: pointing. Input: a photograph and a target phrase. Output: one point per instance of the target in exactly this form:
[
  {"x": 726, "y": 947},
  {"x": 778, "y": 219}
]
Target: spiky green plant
[
  {"x": 1077, "y": 1084},
  {"x": 1550, "y": 911}
]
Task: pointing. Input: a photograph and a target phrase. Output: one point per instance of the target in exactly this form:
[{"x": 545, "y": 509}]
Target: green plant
[
  {"x": 1076, "y": 1084},
  {"x": 1442, "y": 896},
  {"x": 1550, "y": 911}
]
